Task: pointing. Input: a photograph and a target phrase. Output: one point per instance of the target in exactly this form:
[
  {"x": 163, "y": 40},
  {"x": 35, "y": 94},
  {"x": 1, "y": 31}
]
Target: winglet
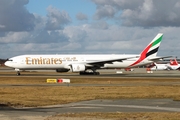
[{"x": 151, "y": 50}]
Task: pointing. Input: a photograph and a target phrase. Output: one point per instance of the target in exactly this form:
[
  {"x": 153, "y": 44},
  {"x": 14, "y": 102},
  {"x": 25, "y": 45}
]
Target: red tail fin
[{"x": 173, "y": 62}]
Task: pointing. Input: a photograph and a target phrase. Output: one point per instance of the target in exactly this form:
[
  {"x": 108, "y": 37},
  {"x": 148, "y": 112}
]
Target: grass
[{"x": 39, "y": 96}]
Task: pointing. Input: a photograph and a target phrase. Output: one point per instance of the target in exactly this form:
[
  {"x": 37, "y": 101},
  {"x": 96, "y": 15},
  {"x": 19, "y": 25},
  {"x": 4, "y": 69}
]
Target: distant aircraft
[
  {"x": 173, "y": 65},
  {"x": 82, "y": 63}
]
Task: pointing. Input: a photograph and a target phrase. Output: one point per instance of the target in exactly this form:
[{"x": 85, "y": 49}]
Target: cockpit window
[{"x": 9, "y": 60}]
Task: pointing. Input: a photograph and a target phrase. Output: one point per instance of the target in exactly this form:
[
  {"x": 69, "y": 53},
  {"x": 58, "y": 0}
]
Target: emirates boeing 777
[{"x": 81, "y": 63}]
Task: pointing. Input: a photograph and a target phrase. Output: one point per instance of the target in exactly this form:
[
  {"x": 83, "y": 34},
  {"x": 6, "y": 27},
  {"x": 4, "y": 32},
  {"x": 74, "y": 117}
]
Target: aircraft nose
[{"x": 7, "y": 63}]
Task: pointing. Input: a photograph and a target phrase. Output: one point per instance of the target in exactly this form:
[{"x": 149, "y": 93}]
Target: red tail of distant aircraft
[
  {"x": 173, "y": 62},
  {"x": 173, "y": 65}
]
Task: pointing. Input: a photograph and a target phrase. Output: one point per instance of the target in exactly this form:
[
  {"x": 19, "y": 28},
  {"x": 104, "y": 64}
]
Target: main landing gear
[
  {"x": 89, "y": 73},
  {"x": 93, "y": 72}
]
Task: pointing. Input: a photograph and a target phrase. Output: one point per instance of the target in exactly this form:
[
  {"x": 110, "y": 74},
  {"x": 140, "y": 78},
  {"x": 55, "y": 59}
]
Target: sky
[{"x": 87, "y": 26}]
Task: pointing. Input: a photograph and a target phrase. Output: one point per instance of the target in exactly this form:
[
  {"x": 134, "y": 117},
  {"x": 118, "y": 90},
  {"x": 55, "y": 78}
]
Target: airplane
[
  {"x": 173, "y": 65},
  {"x": 83, "y": 63}
]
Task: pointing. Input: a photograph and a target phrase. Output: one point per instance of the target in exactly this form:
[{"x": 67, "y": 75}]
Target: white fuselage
[{"x": 34, "y": 62}]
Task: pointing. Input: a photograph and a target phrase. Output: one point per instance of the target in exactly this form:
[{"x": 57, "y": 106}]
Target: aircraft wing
[
  {"x": 159, "y": 58},
  {"x": 110, "y": 61}
]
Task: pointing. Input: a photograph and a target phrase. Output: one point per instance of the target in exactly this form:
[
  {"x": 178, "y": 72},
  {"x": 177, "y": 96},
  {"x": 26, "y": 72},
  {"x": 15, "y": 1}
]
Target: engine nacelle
[
  {"x": 62, "y": 70},
  {"x": 78, "y": 67}
]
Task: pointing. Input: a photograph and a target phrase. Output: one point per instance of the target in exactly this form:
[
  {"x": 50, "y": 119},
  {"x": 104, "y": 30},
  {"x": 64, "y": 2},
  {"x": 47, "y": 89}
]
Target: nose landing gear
[{"x": 18, "y": 73}]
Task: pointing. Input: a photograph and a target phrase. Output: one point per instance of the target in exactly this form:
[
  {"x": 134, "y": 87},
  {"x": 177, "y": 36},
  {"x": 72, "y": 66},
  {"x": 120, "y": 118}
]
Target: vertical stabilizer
[{"x": 151, "y": 50}]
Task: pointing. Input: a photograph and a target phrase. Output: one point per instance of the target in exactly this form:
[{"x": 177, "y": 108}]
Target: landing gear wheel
[
  {"x": 18, "y": 73},
  {"x": 89, "y": 73}
]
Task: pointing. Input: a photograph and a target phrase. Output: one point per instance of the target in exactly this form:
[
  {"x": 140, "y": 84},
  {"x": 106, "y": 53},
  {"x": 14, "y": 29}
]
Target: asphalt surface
[{"x": 124, "y": 105}]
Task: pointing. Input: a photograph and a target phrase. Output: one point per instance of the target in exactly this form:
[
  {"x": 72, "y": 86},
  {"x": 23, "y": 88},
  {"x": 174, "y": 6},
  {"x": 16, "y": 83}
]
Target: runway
[{"x": 120, "y": 105}]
